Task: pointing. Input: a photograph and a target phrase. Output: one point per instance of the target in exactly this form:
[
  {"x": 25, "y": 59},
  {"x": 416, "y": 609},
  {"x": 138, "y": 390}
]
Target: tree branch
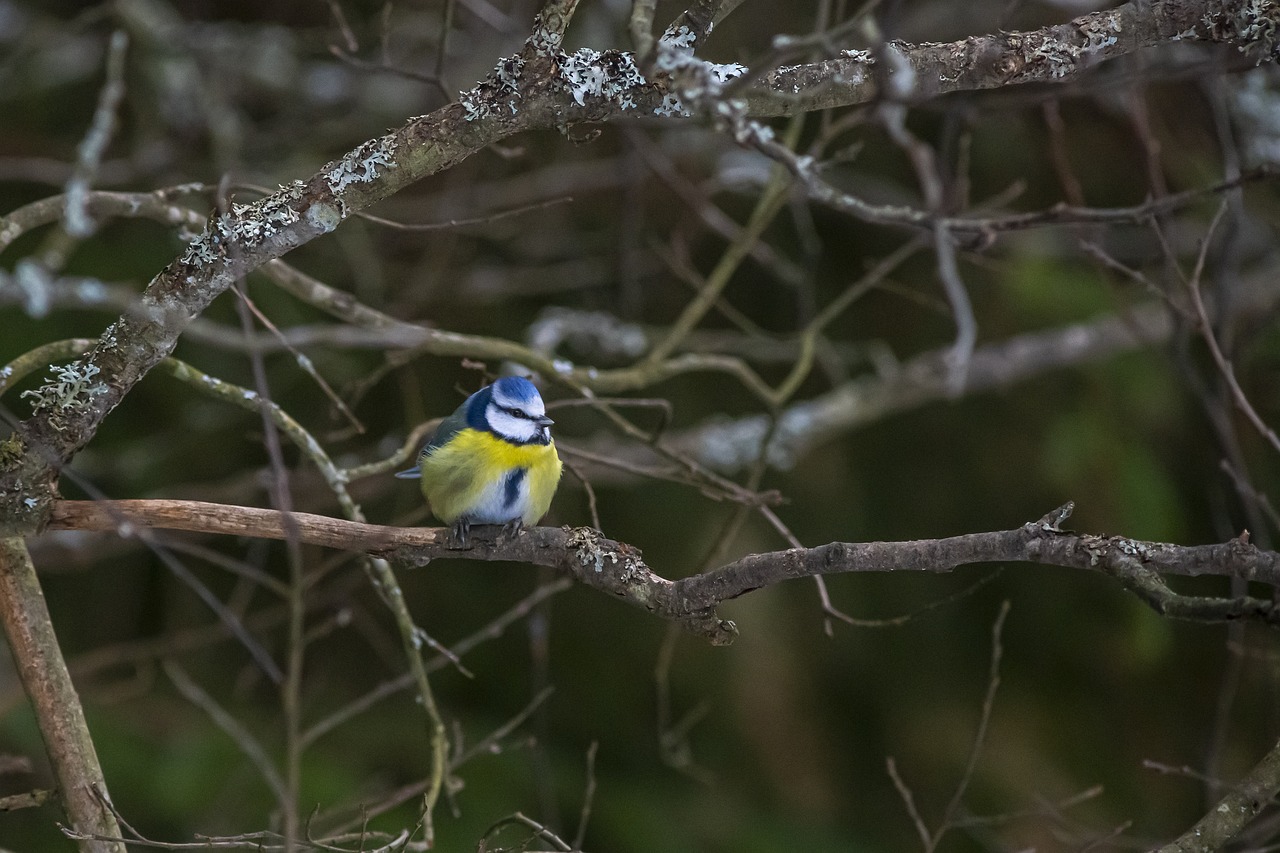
[
  {"x": 1054, "y": 54},
  {"x": 620, "y": 570},
  {"x": 47, "y": 683},
  {"x": 1233, "y": 812}
]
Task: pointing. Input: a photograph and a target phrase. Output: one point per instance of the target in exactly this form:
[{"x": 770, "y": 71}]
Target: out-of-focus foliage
[{"x": 788, "y": 730}]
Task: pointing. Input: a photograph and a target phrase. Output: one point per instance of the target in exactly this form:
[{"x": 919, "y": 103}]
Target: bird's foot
[
  {"x": 460, "y": 535},
  {"x": 510, "y": 531}
]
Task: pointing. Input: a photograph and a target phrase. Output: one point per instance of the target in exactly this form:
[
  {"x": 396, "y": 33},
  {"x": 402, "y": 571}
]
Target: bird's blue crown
[{"x": 508, "y": 392}]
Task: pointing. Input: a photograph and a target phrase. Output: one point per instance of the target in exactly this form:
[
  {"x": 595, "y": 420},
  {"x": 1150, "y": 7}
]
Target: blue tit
[{"x": 492, "y": 461}]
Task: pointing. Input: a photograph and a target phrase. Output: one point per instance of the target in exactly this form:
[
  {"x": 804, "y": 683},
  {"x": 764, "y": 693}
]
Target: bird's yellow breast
[{"x": 461, "y": 474}]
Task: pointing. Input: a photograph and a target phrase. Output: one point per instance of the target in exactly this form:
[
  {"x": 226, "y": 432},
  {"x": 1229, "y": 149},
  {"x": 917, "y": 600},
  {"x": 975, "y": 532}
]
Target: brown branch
[
  {"x": 57, "y": 707},
  {"x": 581, "y": 553},
  {"x": 620, "y": 570}
]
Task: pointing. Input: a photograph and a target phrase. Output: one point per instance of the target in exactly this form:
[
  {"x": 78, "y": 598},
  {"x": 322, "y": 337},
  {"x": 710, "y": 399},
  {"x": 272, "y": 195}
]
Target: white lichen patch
[
  {"x": 1053, "y": 58},
  {"x": 681, "y": 38},
  {"x": 863, "y": 56},
  {"x": 670, "y": 106},
  {"x": 502, "y": 85},
  {"x": 1256, "y": 25},
  {"x": 1100, "y": 35},
  {"x": 545, "y": 40},
  {"x": 607, "y": 78},
  {"x": 584, "y": 542},
  {"x": 245, "y": 226},
  {"x": 108, "y": 340},
  {"x": 612, "y": 76},
  {"x": 362, "y": 164},
  {"x": 71, "y": 387},
  {"x": 696, "y": 82},
  {"x": 506, "y": 74},
  {"x": 1253, "y": 27},
  {"x": 1049, "y": 58}
]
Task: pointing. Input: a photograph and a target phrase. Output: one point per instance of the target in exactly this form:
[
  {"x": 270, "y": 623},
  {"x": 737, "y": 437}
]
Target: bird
[{"x": 492, "y": 461}]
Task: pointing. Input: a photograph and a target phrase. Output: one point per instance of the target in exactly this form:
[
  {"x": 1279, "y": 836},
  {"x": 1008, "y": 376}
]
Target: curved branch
[{"x": 619, "y": 569}]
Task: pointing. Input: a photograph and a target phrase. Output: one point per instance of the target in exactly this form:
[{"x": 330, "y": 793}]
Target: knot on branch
[{"x": 1052, "y": 521}]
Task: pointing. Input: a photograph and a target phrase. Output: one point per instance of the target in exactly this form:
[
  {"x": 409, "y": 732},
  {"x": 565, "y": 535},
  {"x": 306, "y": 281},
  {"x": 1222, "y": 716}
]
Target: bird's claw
[
  {"x": 511, "y": 530},
  {"x": 460, "y": 535}
]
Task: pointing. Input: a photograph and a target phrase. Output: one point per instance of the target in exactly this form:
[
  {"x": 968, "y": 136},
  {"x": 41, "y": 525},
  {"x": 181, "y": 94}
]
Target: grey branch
[
  {"x": 1233, "y": 812},
  {"x": 1055, "y": 54},
  {"x": 620, "y": 570}
]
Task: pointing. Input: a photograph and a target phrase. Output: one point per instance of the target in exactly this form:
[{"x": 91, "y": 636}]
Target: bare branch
[
  {"x": 1055, "y": 54},
  {"x": 76, "y": 222},
  {"x": 47, "y": 683},
  {"x": 619, "y": 569},
  {"x": 1234, "y": 811}
]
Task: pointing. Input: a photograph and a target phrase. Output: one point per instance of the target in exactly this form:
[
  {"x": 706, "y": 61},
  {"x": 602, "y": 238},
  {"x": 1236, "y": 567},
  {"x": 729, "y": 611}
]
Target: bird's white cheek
[{"x": 513, "y": 428}]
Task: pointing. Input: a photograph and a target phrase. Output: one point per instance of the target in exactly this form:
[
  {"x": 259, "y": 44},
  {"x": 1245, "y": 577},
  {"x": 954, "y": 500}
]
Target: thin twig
[
  {"x": 76, "y": 219},
  {"x": 588, "y": 796},
  {"x": 909, "y": 801},
  {"x": 295, "y": 646},
  {"x": 491, "y": 631},
  {"x": 980, "y": 737},
  {"x": 486, "y": 219},
  {"x": 1206, "y": 331},
  {"x": 247, "y": 743}
]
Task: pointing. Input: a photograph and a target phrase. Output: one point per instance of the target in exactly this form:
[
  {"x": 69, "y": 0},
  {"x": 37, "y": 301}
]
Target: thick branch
[
  {"x": 1055, "y": 54},
  {"x": 581, "y": 553},
  {"x": 53, "y": 698},
  {"x": 619, "y": 569}
]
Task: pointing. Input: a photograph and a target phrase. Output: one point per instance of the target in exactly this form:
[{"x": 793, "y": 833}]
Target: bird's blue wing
[
  {"x": 469, "y": 414},
  {"x": 449, "y": 427}
]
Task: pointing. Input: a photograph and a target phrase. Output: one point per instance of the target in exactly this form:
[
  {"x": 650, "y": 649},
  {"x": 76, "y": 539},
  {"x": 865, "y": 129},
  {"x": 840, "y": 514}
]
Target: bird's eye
[{"x": 519, "y": 413}]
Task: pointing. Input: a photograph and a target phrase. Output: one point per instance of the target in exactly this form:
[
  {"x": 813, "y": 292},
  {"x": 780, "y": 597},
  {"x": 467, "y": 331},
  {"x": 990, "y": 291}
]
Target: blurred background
[{"x": 1111, "y": 726}]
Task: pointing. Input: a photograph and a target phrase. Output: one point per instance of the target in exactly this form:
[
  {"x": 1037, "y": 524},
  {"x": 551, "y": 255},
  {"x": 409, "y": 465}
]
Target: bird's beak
[{"x": 543, "y": 421}]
